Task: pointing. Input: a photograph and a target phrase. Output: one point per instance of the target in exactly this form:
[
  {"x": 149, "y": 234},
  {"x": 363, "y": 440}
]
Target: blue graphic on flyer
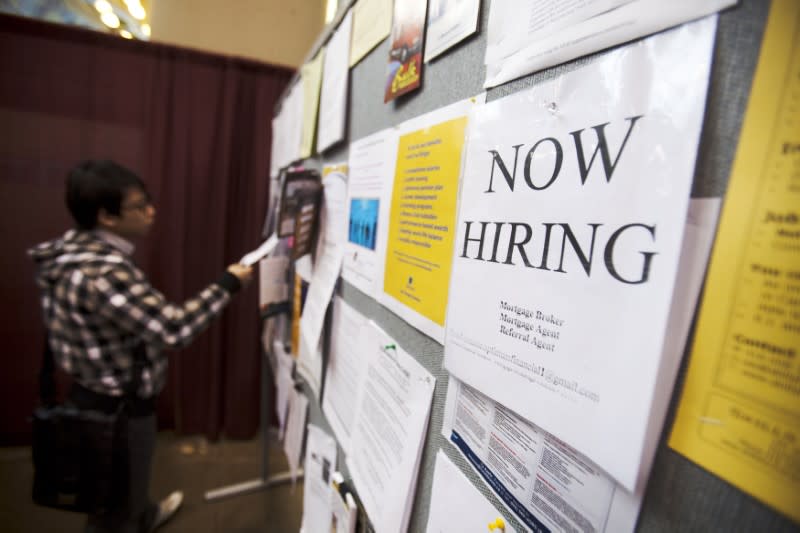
[{"x": 364, "y": 222}]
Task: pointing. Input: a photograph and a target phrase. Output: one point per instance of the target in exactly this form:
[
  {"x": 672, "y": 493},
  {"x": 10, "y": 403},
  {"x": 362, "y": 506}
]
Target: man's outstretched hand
[{"x": 243, "y": 273}]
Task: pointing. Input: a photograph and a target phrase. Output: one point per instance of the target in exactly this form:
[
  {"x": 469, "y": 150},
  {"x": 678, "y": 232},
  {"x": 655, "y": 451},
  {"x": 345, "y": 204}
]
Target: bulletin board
[{"x": 680, "y": 496}]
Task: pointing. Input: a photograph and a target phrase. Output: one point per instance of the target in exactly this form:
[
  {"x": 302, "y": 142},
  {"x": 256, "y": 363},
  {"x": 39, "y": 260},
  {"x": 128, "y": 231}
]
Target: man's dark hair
[{"x": 95, "y": 185}]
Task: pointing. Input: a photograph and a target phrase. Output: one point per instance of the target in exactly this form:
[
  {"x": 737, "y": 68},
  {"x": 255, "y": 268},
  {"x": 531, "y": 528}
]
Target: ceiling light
[
  {"x": 145, "y": 29},
  {"x": 135, "y": 8},
  {"x": 126, "y": 34},
  {"x": 330, "y": 10},
  {"x": 137, "y": 11},
  {"x": 103, "y": 6},
  {"x": 110, "y": 20}
]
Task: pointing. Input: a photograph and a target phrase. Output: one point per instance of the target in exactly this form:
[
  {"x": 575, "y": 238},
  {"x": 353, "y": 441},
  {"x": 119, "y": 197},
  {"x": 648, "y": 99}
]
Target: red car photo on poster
[{"x": 404, "y": 73}]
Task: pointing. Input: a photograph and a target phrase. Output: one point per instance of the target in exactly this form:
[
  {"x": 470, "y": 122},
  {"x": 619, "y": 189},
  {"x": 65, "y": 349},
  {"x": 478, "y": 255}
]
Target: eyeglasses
[{"x": 140, "y": 205}]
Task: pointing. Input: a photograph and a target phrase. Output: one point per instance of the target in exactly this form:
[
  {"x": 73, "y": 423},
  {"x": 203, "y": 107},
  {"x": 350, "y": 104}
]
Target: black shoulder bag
[{"x": 80, "y": 456}]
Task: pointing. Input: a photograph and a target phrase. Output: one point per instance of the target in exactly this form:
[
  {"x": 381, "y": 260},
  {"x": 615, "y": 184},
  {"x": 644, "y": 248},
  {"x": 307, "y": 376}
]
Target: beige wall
[{"x": 274, "y": 31}]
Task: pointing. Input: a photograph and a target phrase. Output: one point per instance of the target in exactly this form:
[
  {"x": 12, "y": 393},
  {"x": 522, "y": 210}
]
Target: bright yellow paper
[
  {"x": 297, "y": 308},
  {"x": 372, "y": 22},
  {"x": 739, "y": 416},
  {"x": 419, "y": 256},
  {"x": 311, "y": 76}
]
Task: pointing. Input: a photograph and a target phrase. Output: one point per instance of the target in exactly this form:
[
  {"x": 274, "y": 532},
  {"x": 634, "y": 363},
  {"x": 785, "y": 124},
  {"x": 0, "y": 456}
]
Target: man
[{"x": 100, "y": 311}]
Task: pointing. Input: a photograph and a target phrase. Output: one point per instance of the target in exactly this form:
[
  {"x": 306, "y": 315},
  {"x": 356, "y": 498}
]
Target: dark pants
[{"x": 137, "y": 513}]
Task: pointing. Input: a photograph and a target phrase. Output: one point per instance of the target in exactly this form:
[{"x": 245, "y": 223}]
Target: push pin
[{"x": 498, "y": 525}]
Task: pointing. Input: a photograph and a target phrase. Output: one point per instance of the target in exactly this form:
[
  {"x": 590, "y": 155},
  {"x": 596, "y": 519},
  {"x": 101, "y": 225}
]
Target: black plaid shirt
[{"x": 98, "y": 305}]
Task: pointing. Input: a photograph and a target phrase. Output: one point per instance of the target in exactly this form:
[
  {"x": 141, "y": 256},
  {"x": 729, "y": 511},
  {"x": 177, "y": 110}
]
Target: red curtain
[{"x": 196, "y": 128}]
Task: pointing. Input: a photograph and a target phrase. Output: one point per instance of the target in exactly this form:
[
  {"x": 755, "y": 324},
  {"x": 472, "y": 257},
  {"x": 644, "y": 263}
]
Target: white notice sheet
[
  {"x": 291, "y": 125},
  {"x": 284, "y": 383},
  {"x": 273, "y": 287},
  {"x": 456, "y": 505},
  {"x": 345, "y": 372},
  {"x": 573, "y": 206},
  {"x": 392, "y": 412},
  {"x": 323, "y": 281},
  {"x": 266, "y": 247},
  {"x": 449, "y": 22},
  {"x": 311, "y": 78},
  {"x": 287, "y": 129},
  {"x": 547, "y": 484},
  {"x": 285, "y": 134},
  {"x": 372, "y": 22},
  {"x": 274, "y": 154},
  {"x": 471, "y": 422},
  {"x": 295, "y": 428},
  {"x": 319, "y": 467},
  {"x": 529, "y": 35},
  {"x": 369, "y": 193},
  {"x": 333, "y": 98},
  {"x": 698, "y": 236}
]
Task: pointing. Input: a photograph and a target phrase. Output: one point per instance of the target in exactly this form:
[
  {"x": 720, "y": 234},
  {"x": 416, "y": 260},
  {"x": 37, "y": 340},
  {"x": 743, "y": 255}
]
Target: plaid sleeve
[{"x": 125, "y": 297}]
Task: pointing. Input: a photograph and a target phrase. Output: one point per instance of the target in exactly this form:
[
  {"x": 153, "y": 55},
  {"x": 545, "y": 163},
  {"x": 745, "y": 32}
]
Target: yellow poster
[
  {"x": 419, "y": 253},
  {"x": 739, "y": 416},
  {"x": 372, "y": 22},
  {"x": 311, "y": 76},
  {"x": 297, "y": 309}
]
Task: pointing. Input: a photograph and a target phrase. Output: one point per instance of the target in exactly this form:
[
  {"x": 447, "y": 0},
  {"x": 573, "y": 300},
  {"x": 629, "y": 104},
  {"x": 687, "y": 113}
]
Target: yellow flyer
[
  {"x": 311, "y": 76},
  {"x": 419, "y": 251},
  {"x": 739, "y": 416},
  {"x": 297, "y": 308}
]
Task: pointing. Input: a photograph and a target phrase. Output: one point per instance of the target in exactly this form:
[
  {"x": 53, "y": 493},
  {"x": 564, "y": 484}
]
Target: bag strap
[
  {"x": 139, "y": 358},
  {"x": 47, "y": 381}
]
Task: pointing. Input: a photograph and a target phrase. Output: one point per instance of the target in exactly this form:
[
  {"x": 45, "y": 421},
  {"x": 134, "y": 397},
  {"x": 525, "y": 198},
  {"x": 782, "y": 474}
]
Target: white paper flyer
[
  {"x": 573, "y": 206},
  {"x": 547, "y": 484},
  {"x": 369, "y": 192},
  {"x": 525, "y": 36},
  {"x": 392, "y": 412}
]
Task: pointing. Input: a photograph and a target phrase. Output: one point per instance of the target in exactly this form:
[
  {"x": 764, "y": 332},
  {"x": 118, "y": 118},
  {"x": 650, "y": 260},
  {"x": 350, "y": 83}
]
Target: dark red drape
[{"x": 196, "y": 127}]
